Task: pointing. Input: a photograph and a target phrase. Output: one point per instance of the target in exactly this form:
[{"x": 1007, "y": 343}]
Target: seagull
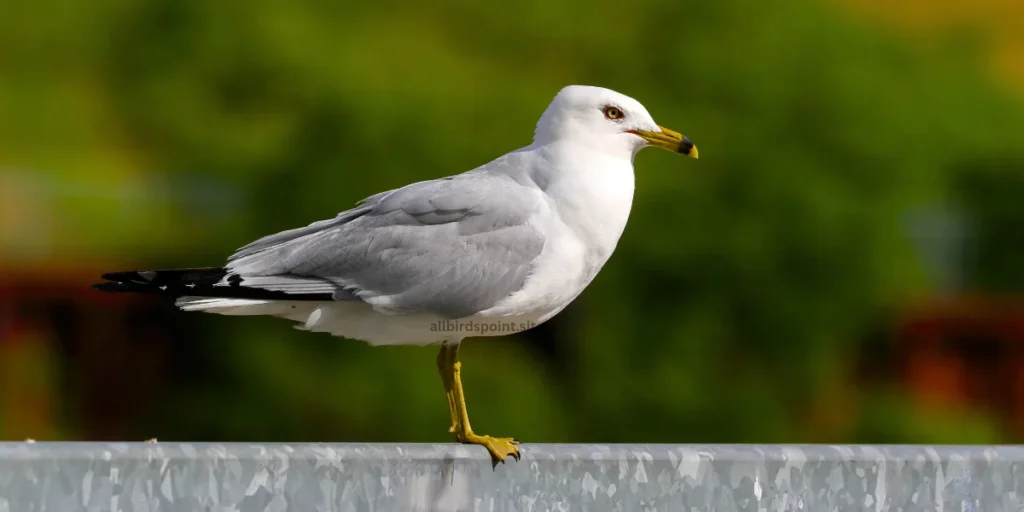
[{"x": 492, "y": 251}]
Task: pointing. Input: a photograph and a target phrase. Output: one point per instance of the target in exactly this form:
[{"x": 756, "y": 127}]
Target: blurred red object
[
  {"x": 965, "y": 351},
  {"x": 101, "y": 356}
]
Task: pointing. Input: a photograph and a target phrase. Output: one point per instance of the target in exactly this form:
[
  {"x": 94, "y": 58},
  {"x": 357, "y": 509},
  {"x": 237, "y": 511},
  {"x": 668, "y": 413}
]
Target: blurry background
[{"x": 843, "y": 264}]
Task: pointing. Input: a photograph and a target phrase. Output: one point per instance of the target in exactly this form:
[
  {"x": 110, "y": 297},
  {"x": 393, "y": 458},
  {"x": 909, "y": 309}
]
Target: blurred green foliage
[{"x": 738, "y": 295}]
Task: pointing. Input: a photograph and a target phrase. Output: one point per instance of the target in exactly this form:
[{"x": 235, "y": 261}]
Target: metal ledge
[{"x": 355, "y": 477}]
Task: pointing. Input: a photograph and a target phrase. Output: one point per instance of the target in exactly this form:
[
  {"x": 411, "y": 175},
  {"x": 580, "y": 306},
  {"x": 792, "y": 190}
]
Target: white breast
[{"x": 589, "y": 205}]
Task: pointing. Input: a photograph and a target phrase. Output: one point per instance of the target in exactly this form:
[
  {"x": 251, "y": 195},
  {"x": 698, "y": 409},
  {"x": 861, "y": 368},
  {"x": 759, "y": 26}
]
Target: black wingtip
[
  {"x": 203, "y": 282},
  {"x": 116, "y": 276},
  {"x": 140, "y": 276},
  {"x": 167, "y": 282},
  {"x": 121, "y": 286},
  {"x": 122, "y": 282}
]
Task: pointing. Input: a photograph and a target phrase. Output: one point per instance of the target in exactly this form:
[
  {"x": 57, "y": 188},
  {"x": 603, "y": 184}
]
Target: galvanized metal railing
[{"x": 356, "y": 477}]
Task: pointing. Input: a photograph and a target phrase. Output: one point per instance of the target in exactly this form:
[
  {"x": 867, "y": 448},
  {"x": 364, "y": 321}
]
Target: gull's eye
[{"x": 613, "y": 113}]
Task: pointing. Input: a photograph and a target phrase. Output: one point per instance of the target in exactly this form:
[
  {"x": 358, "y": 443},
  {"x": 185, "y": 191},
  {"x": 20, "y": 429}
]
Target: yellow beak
[{"x": 668, "y": 139}]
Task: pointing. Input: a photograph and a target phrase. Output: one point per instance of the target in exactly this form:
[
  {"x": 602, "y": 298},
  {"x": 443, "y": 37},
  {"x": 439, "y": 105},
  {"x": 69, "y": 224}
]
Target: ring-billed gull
[{"x": 492, "y": 251}]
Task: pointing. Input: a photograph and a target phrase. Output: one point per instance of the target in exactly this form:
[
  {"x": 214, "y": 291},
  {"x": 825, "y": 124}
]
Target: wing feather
[{"x": 453, "y": 247}]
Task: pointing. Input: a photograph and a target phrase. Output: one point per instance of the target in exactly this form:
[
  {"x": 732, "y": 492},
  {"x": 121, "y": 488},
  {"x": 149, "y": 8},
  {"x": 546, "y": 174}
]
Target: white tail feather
[
  {"x": 294, "y": 310},
  {"x": 349, "y": 319}
]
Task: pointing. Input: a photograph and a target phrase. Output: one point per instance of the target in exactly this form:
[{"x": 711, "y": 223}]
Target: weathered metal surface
[{"x": 356, "y": 477}]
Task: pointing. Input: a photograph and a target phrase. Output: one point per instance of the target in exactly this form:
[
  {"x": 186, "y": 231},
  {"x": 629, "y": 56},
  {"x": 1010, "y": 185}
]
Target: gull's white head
[{"x": 607, "y": 121}]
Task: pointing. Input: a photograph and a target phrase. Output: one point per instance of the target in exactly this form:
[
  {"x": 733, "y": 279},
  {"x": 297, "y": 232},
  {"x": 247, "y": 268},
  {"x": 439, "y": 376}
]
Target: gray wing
[{"x": 454, "y": 247}]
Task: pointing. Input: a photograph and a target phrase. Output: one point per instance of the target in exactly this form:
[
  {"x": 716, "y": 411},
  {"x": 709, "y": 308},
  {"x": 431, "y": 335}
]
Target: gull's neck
[
  {"x": 591, "y": 190},
  {"x": 609, "y": 145}
]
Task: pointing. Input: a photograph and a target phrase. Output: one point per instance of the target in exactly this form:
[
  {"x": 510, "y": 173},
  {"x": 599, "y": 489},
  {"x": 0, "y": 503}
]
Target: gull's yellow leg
[
  {"x": 443, "y": 366},
  {"x": 499, "y": 447}
]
